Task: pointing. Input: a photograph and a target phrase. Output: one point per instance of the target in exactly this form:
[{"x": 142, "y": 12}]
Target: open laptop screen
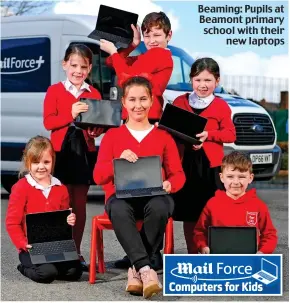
[
  {"x": 115, "y": 21},
  {"x": 101, "y": 113},
  {"x": 183, "y": 121},
  {"x": 269, "y": 267},
  {"x": 48, "y": 227},
  {"x": 232, "y": 240},
  {"x": 144, "y": 173}
]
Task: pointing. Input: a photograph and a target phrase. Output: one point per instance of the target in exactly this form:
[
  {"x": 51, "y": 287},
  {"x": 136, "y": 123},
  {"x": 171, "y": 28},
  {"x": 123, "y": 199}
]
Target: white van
[{"x": 32, "y": 49}]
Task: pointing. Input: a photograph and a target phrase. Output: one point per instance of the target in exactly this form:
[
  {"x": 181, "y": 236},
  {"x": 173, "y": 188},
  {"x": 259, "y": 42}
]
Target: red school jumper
[
  {"x": 156, "y": 143},
  {"x": 157, "y": 62},
  {"x": 57, "y": 115},
  {"x": 220, "y": 127},
  {"x": 26, "y": 199},
  {"x": 248, "y": 210}
]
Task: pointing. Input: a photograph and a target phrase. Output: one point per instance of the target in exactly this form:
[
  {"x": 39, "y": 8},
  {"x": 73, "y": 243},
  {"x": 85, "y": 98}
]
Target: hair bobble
[{"x": 124, "y": 77}]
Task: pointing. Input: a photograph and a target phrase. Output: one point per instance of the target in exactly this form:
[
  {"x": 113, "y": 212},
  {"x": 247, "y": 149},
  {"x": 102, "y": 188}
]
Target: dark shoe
[
  {"x": 156, "y": 261},
  {"x": 20, "y": 267},
  {"x": 84, "y": 264},
  {"x": 123, "y": 263}
]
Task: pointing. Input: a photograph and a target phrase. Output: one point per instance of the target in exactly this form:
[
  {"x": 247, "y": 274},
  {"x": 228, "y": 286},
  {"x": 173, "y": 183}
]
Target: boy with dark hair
[
  {"x": 236, "y": 207},
  {"x": 156, "y": 62}
]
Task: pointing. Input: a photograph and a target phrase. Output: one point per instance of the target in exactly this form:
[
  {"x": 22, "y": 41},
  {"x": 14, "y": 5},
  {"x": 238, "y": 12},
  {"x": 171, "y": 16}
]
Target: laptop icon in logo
[{"x": 268, "y": 272}]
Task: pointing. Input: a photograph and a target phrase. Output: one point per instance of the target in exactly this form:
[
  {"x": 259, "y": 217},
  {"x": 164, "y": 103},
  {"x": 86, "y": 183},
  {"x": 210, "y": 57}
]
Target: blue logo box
[{"x": 219, "y": 275}]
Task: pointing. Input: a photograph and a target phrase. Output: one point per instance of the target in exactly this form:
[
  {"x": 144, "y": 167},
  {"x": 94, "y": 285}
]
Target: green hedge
[{"x": 284, "y": 164}]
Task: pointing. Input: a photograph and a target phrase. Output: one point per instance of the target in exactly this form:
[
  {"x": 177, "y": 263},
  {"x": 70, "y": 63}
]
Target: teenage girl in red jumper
[
  {"x": 156, "y": 61},
  {"x": 138, "y": 138},
  {"x": 201, "y": 163},
  {"x": 75, "y": 148},
  {"x": 37, "y": 192}
]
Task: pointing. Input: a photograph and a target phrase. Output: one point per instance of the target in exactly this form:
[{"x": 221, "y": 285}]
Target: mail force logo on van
[
  {"x": 25, "y": 64},
  {"x": 20, "y": 66},
  {"x": 217, "y": 275}
]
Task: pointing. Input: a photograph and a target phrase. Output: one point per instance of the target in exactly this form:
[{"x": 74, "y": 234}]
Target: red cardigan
[
  {"x": 57, "y": 113},
  {"x": 26, "y": 199},
  {"x": 157, "y": 62},
  {"x": 219, "y": 125},
  {"x": 157, "y": 142},
  {"x": 248, "y": 210}
]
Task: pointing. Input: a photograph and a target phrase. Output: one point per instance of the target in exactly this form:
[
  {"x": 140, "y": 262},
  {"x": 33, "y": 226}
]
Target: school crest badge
[{"x": 252, "y": 218}]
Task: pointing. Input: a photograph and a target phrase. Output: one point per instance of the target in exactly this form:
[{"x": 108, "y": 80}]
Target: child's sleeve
[
  {"x": 52, "y": 119},
  {"x": 152, "y": 62},
  {"x": 15, "y": 216},
  {"x": 124, "y": 53},
  {"x": 200, "y": 233},
  {"x": 268, "y": 233},
  {"x": 65, "y": 200},
  {"x": 226, "y": 132},
  {"x": 172, "y": 165},
  {"x": 103, "y": 171}
]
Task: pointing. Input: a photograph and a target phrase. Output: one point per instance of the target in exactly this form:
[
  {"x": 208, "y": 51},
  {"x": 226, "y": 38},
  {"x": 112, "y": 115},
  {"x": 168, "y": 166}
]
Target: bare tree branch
[{"x": 17, "y": 8}]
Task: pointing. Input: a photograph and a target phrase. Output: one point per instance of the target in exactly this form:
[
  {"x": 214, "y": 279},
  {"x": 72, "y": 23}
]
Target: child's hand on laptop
[
  {"x": 205, "y": 250},
  {"x": 202, "y": 136},
  {"x": 137, "y": 35},
  {"x": 28, "y": 246},
  {"x": 71, "y": 219},
  {"x": 129, "y": 156},
  {"x": 197, "y": 147},
  {"x": 78, "y": 107},
  {"x": 259, "y": 252},
  {"x": 107, "y": 46},
  {"x": 167, "y": 186},
  {"x": 95, "y": 132}
]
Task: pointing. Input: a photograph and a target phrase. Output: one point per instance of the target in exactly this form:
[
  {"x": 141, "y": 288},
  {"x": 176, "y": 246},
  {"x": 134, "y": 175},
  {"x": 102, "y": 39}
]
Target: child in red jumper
[
  {"x": 201, "y": 163},
  {"x": 236, "y": 207},
  {"x": 75, "y": 148},
  {"x": 157, "y": 61},
  {"x": 138, "y": 138},
  {"x": 37, "y": 192}
]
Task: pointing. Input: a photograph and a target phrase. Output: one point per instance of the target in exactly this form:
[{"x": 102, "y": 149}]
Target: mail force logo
[
  {"x": 219, "y": 275},
  {"x": 252, "y": 218}
]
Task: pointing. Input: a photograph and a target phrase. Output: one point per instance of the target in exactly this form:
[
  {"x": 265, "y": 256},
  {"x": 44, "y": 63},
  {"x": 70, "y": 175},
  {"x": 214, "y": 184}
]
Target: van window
[
  {"x": 100, "y": 76},
  {"x": 25, "y": 65},
  {"x": 180, "y": 75}
]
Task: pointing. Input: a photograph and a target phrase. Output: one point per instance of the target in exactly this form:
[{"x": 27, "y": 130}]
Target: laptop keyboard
[
  {"x": 52, "y": 247},
  {"x": 266, "y": 276},
  {"x": 110, "y": 37},
  {"x": 140, "y": 191}
]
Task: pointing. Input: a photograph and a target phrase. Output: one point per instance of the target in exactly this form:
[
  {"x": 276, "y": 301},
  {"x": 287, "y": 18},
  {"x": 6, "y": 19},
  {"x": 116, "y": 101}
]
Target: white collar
[
  {"x": 199, "y": 103},
  {"x": 69, "y": 86},
  {"x": 32, "y": 182}
]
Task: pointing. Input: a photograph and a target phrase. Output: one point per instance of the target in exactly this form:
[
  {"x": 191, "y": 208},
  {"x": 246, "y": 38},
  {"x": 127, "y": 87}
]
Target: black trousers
[
  {"x": 47, "y": 273},
  {"x": 123, "y": 214}
]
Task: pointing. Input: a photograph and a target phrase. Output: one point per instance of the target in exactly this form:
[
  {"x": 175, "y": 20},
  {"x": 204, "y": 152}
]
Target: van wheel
[{"x": 8, "y": 181}]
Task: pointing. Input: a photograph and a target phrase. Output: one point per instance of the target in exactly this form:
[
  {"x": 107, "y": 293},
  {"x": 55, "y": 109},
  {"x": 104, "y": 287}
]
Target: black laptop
[
  {"x": 50, "y": 236},
  {"x": 114, "y": 25},
  {"x": 101, "y": 113},
  {"x": 232, "y": 240},
  {"x": 142, "y": 178},
  {"x": 182, "y": 123}
]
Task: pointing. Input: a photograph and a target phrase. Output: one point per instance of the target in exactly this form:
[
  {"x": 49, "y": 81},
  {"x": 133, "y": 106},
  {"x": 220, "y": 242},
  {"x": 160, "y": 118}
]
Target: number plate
[{"x": 261, "y": 158}]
